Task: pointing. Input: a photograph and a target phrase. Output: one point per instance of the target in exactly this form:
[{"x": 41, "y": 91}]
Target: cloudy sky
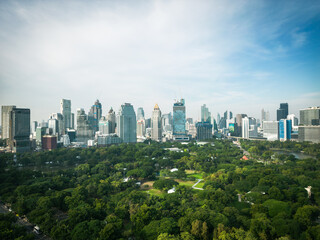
[{"x": 231, "y": 55}]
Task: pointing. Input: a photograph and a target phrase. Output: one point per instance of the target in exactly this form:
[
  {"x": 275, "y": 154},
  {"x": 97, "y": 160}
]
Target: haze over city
[{"x": 240, "y": 56}]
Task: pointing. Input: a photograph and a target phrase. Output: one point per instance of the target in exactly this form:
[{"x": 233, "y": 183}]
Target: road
[{"x": 26, "y": 224}]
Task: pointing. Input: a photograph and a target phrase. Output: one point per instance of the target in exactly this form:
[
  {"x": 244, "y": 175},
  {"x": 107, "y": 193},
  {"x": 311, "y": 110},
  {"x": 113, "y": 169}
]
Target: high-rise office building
[
  {"x": 218, "y": 118},
  {"x": 285, "y": 127},
  {"x": 141, "y": 128},
  {"x": 238, "y": 129},
  {"x": 127, "y": 124},
  {"x": 53, "y": 126},
  {"x": 65, "y": 109},
  {"x": 265, "y": 116},
  {"x": 111, "y": 118},
  {"x": 6, "y": 125},
  {"x": 60, "y": 120},
  {"x": 104, "y": 125},
  {"x": 19, "y": 130},
  {"x": 40, "y": 132},
  {"x": 156, "y": 133},
  {"x": 245, "y": 127},
  {"x": 294, "y": 120},
  {"x": 271, "y": 130},
  {"x": 179, "y": 120},
  {"x": 282, "y": 112},
  {"x": 140, "y": 113},
  {"x": 205, "y": 114},
  {"x": 310, "y": 116},
  {"x": 167, "y": 122},
  {"x": 309, "y": 134},
  {"x": 249, "y": 127},
  {"x": 230, "y": 115},
  {"x": 16, "y": 128},
  {"x": 34, "y": 126},
  {"x": 95, "y": 115},
  {"x": 204, "y": 130},
  {"x": 84, "y": 129}
]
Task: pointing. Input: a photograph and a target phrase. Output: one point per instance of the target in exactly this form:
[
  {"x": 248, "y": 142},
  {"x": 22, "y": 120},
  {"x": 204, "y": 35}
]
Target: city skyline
[{"x": 239, "y": 57}]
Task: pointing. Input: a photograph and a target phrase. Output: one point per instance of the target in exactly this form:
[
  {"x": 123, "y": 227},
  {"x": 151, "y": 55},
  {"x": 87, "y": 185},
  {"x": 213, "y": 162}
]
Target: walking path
[{"x": 194, "y": 185}]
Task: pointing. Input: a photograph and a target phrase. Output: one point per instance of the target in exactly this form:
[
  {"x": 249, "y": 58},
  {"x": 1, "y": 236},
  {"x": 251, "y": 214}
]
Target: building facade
[
  {"x": 309, "y": 134},
  {"x": 285, "y": 128},
  {"x": 127, "y": 124},
  {"x": 95, "y": 115},
  {"x": 283, "y": 111},
  {"x": 49, "y": 142},
  {"x": 111, "y": 118},
  {"x": 141, "y": 128},
  {"x": 179, "y": 120},
  {"x": 310, "y": 116},
  {"x": 84, "y": 129},
  {"x": 271, "y": 130},
  {"x": 140, "y": 113},
  {"x": 65, "y": 109},
  {"x": 204, "y": 130},
  {"x": 205, "y": 114},
  {"x": 156, "y": 133}
]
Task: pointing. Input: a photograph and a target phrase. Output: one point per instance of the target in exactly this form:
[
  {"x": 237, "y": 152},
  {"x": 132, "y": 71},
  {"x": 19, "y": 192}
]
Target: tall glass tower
[
  {"x": 65, "y": 109},
  {"x": 95, "y": 115},
  {"x": 205, "y": 114},
  {"x": 127, "y": 124},
  {"x": 282, "y": 112},
  {"x": 140, "y": 113},
  {"x": 179, "y": 118}
]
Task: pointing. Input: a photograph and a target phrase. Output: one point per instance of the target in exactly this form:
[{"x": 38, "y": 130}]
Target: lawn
[{"x": 185, "y": 183}]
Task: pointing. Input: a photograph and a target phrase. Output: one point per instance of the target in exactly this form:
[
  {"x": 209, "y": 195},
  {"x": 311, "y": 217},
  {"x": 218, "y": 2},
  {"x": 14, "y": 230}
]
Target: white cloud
[{"x": 139, "y": 52}]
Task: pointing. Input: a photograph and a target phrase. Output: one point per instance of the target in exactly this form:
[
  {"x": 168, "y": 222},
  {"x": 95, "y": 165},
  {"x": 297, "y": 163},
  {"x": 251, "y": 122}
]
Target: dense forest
[{"x": 121, "y": 191}]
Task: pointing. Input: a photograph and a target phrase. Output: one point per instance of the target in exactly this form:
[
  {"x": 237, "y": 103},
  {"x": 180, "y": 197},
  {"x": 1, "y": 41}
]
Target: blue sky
[{"x": 231, "y": 55}]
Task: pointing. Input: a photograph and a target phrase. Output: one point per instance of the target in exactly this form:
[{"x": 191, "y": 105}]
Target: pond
[{"x": 298, "y": 155}]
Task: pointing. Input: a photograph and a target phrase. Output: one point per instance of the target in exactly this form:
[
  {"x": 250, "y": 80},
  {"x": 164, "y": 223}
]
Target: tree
[{"x": 306, "y": 216}]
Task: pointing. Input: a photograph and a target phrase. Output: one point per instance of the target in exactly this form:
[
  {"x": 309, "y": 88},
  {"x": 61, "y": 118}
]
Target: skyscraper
[
  {"x": 310, "y": 116},
  {"x": 271, "y": 130},
  {"x": 127, "y": 124},
  {"x": 245, "y": 127},
  {"x": 141, "y": 128},
  {"x": 285, "y": 127},
  {"x": 156, "y": 133},
  {"x": 53, "y": 126},
  {"x": 239, "y": 118},
  {"x": 205, "y": 114},
  {"x": 179, "y": 120},
  {"x": 111, "y": 118},
  {"x": 17, "y": 128},
  {"x": 103, "y": 125},
  {"x": 204, "y": 130},
  {"x": 282, "y": 112},
  {"x": 140, "y": 113},
  {"x": 61, "y": 126},
  {"x": 65, "y": 109},
  {"x": 84, "y": 130},
  {"x": 95, "y": 115},
  {"x": 5, "y": 121}
]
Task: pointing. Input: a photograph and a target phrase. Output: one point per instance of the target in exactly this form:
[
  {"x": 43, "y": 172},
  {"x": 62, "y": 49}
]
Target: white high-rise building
[
  {"x": 65, "y": 108},
  {"x": 141, "y": 128},
  {"x": 271, "y": 130},
  {"x": 127, "y": 124},
  {"x": 156, "y": 133},
  {"x": 245, "y": 127}
]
